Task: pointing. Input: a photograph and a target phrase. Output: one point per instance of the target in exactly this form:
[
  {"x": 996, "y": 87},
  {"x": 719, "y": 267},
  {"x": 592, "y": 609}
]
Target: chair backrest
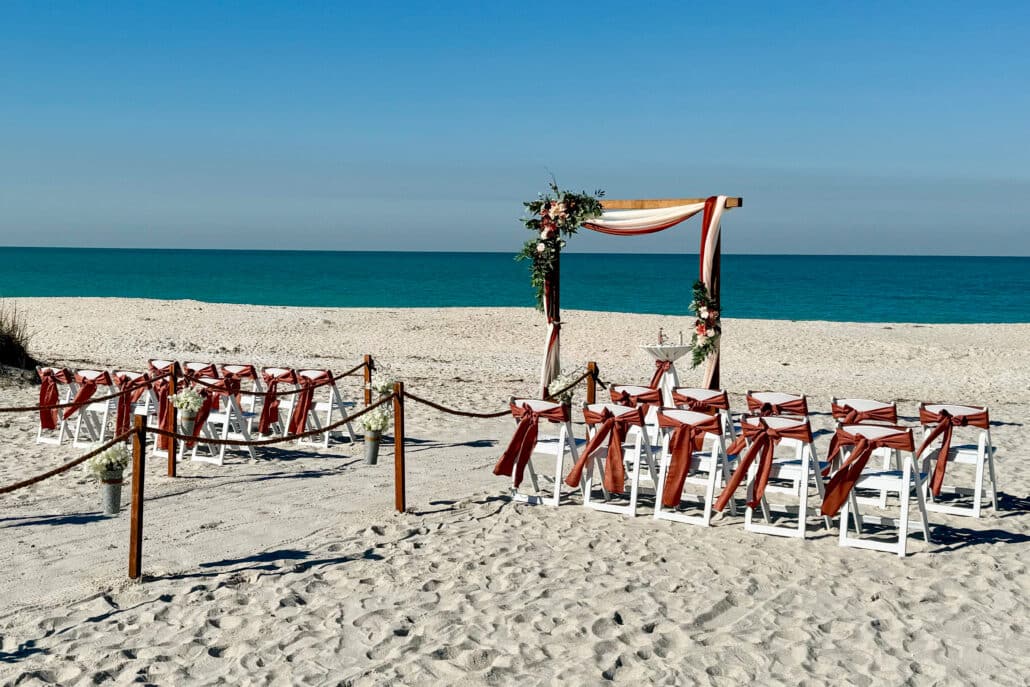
[
  {"x": 775, "y": 421},
  {"x": 204, "y": 370},
  {"x": 614, "y": 408},
  {"x": 535, "y": 404},
  {"x": 777, "y": 403},
  {"x": 686, "y": 417},
  {"x": 98, "y": 377},
  {"x": 863, "y": 410},
  {"x": 698, "y": 394},
  {"x": 241, "y": 371},
  {"x": 875, "y": 431},
  {"x": 954, "y": 409}
]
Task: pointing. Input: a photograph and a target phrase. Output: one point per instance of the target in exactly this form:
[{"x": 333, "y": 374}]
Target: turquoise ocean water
[{"x": 801, "y": 287}]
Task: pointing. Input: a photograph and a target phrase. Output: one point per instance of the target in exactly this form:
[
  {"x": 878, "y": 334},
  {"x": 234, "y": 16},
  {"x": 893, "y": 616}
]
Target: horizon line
[{"x": 501, "y": 252}]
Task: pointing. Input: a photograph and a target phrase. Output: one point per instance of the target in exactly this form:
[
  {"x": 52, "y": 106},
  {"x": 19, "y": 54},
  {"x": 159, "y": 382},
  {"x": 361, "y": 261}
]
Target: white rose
[
  {"x": 541, "y": 247},
  {"x": 703, "y": 313}
]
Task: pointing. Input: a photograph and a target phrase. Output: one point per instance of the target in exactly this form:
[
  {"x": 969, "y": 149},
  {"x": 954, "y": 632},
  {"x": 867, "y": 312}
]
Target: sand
[{"x": 293, "y": 569}]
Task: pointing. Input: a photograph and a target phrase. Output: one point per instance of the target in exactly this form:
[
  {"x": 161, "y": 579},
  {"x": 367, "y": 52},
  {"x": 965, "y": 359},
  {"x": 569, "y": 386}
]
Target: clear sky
[{"x": 847, "y": 127}]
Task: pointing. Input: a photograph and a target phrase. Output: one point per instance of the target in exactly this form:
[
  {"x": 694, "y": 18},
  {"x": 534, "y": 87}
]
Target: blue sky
[{"x": 847, "y": 127}]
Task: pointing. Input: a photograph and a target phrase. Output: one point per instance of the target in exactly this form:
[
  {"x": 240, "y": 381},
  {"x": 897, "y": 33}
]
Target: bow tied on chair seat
[
  {"x": 946, "y": 421},
  {"x": 88, "y": 384},
  {"x": 793, "y": 406},
  {"x": 270, "y": 405},
  {"x": 520, "y": 448},
  {"x": 306, "y": 398},
  {"x": 686, "y": 438},
  {"x": 709, "y": 406},
  {"x": 616, "y": 426},
  {"x": 212, "y": 391},
  {"x": 849, "y": 415},
  {"x": 132, "y": 389},
  {"x": 621, "y": 396},
  {"x": 844, "y": 480},
  {"x": 49, "y": 378},
  {"x": 763, "y": 439},
  {"x": 660, "y": 368}
]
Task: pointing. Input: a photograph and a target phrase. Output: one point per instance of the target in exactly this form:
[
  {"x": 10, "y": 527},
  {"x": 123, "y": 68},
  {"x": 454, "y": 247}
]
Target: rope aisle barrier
[
  {"x": 67, "y": 466},
  {"x": 196, "y": 380},
  {"x": 266, "y": 442},
  {"x": 73, "y": 404},
  {"x": 500, "y": 413}
]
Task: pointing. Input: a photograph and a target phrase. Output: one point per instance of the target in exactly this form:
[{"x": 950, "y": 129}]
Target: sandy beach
[{"x": 294, "y": 569}]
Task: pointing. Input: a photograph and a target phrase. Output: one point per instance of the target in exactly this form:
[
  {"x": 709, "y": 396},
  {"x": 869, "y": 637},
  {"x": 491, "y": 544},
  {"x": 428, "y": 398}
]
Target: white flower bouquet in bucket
[
  {"x": 383, "y": 386},
  {"x": 109, "y": 469},
  {"x": 560, "y": 383},
  {"x": 374, "y": 422},
  {"x": 188, "y": 402}
]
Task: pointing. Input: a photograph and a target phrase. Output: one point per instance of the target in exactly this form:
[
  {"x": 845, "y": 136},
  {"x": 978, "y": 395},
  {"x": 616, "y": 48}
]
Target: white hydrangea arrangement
[
  {"x": 376, "y": 420},
  {"x": 114, "y": 459},
  {"x": 383, "y": 386},
  {"x": 188, "y": 401},
  {"x": 559, "y": 383}
]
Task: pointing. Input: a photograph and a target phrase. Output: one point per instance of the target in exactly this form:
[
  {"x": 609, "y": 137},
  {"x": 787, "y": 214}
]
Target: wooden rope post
[
  {"x": 368, "y": 380},
  {"x": 171, "y": 420},
  {"x": 139, "y": 469},
  {"x": 592, "y": 382},
  {"x": 398, "y": 447}
]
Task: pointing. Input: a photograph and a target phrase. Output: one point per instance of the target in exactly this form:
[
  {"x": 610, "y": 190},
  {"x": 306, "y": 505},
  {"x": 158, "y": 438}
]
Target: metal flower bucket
[
  {"x": 111, "y": 491},
  {"x": 372, "y": 440}
]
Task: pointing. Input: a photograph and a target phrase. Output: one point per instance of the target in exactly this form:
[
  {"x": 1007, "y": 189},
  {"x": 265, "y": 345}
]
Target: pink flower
[
  {"x": 558, "y": 210},
  {"x": 714, "y": 314},
  {"x": 702, "y": 331}
]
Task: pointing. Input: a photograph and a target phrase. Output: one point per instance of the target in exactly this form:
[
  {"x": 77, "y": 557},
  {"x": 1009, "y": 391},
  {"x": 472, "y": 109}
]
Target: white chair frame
[
  {"x": 554, "y": 447},
  {"x": 92, "y": 418},
  {"x": 980, "y": 456},
  {"x": 637, "y": 450},
  {"x": 903, "y": 482},
  {"x": 228, "y": 423},
  {"x": 712, "y": 462},
  {"x": 65, "y": 396}
]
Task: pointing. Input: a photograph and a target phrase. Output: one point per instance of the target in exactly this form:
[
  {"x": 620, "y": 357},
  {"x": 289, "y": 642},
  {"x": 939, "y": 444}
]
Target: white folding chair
[
  {"x": 707, "y": 401},
  {"x": 275, "y": 414},
  {"x": 200, "y": 370},
  {"x": 707, "y": 467},
  {"x": 229, "y": 421},
  {"x": 65, "y": 388},
  {"x": 553, "y": 446},
  {"x": 904, "y": 482},
  {"x": 250, "y": 383},
  {"x": 91, "y": 419},
  {"x": 980, "y": 455},
  {"x": 800, "y": 470},
  {"x": 325, "y": 411},
  {"x": 637, "y": 455},
  {"x": 864, "y": 411}
]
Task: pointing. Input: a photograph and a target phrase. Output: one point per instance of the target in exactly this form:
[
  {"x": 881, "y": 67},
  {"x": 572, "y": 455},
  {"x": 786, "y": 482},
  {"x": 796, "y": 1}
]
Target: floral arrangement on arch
[
  {"x": 707, "y": 325},
  {"x": 554, "y": 217}
]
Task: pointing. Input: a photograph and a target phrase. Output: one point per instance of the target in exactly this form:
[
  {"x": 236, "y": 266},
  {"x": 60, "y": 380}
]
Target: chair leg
[
  {"x": 803, "y": 495},
  {"x": 921, "y": 503},
  {"x": 906, "y": 499},
  {"x": 993, "y": 478}
]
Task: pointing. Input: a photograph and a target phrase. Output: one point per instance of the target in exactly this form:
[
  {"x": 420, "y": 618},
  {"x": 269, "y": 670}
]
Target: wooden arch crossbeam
[{"x": 653, "y": 203}]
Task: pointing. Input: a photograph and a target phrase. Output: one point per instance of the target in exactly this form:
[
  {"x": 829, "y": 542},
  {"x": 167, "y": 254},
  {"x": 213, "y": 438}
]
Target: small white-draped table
[{"x": 671, "y": 353}]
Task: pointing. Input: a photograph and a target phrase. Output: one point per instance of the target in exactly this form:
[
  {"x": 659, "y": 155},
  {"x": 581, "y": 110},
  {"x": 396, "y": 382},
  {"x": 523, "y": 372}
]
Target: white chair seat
[
  {"x": 549, "y": 445},
  {"x": 890, "y": 480}
]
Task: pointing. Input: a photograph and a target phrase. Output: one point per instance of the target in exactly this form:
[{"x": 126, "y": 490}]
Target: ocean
[{"x": 788, "y": 287}]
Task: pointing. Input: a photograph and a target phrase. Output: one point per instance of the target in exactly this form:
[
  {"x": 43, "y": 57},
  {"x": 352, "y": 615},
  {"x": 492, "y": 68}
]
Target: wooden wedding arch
[{"x": 645, "y": 216}]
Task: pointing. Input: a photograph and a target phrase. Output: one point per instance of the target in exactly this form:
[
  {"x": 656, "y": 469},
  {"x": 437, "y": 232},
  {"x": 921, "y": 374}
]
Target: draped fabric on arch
[{"x": 636, "y": 223}]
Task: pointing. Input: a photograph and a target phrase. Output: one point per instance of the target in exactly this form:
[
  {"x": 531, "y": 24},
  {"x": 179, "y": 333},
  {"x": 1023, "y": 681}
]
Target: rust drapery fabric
[
  {"x": 946, "y": 422},
  {"x": 87, "y": 389},
  {"x": 212, "y": 391},
  {"x": 161, "y": 391},
  {"x": 660, "y": 368},
  {"x": 763, "y": 440},
  {"x": 852, "y": 416},
  {"x": 624, "y": 398},
  {"x": 764, "y": 408},
  {"x": 686, "y": 438},
  {"x": 306, "y": 397},
  {"x": 49, "y": 378},
  {"x": 843, "y": 481},
  {"x": 270, "y": 406},
  {"x": 134, "y": 388},
  {"x": 613, "y": 428},
  {"x": 707, "y": 405},
  {"x": 520, "y": 448}
]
